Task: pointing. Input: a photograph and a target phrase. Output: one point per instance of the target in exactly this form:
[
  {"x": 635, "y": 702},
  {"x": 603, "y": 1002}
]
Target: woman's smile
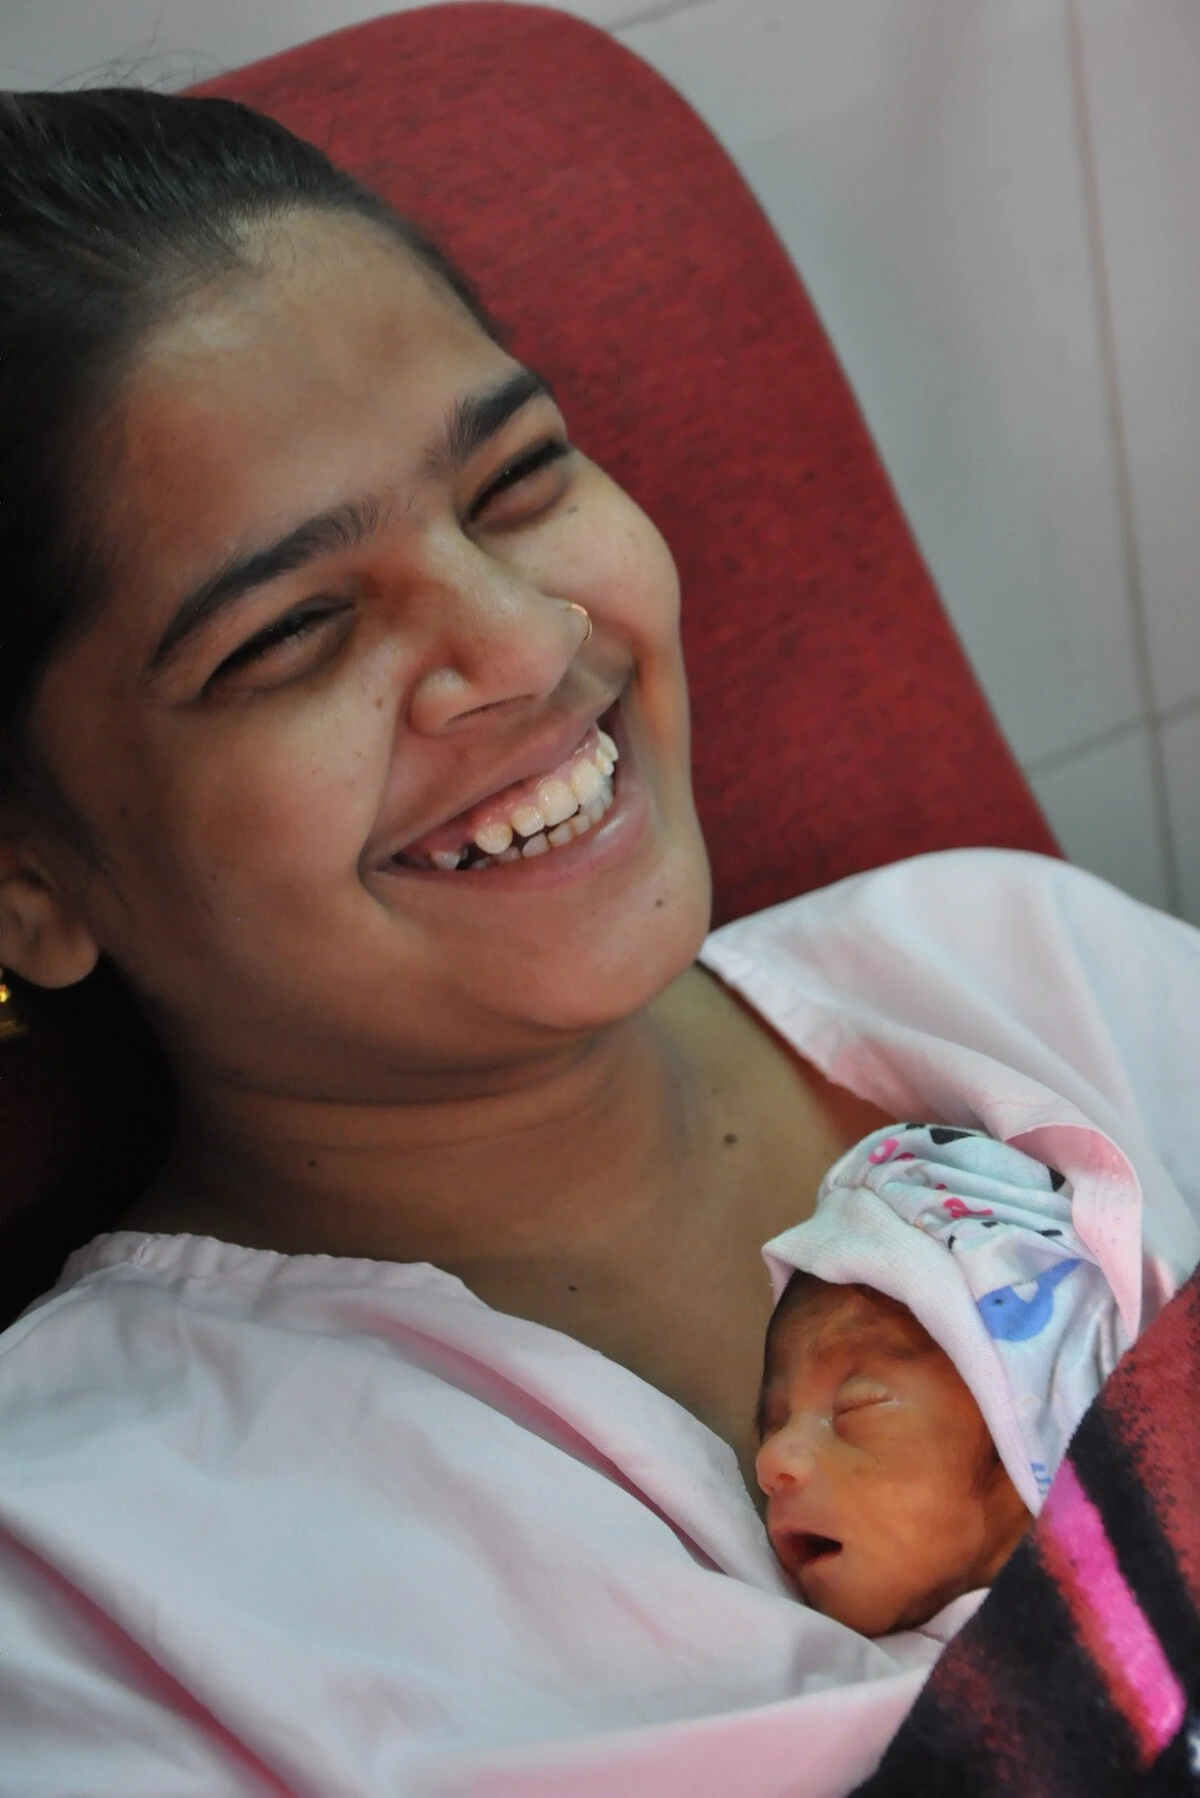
[
  {"x": 351, "y": 683},
  {"x": 532, "y": 799},
  {"x": 564, "y": 824}
]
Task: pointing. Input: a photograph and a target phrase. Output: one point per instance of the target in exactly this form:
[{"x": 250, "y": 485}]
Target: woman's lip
[
  {"x": 608, "y": 842},
  {"x": 544, "y": 754}
]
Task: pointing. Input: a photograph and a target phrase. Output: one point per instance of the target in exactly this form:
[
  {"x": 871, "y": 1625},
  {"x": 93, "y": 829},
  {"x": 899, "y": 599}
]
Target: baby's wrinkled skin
[{"x": 885, "y": 1496}]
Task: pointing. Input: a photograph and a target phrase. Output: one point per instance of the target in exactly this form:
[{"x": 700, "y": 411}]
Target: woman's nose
[
  {"x": 494, "y": 640},
  {"x": 785, "y": 1458}
]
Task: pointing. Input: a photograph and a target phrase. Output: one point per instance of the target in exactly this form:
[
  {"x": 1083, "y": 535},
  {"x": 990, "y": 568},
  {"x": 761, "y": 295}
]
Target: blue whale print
[{"x": 1009, "y": 1318}]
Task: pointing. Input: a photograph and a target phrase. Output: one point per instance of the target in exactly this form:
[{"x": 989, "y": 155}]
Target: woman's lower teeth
[{"x": 542, "y": 842}]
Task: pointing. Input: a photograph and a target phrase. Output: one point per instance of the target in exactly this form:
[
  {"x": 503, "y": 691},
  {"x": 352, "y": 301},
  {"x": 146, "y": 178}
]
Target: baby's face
[{"x": 885, "y": 1499}]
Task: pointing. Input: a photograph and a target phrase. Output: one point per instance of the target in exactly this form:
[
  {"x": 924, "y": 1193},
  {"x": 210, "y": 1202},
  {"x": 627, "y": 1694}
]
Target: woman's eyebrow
[
  {"x": 469, "y": 424},
  {"x": 342, "y": 527},
  {"x": 477, "y": 417}
]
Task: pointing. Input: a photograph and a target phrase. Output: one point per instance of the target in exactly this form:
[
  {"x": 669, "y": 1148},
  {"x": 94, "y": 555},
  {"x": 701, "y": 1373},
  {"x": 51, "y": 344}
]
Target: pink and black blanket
[{"x": 1080, "y": 1675}]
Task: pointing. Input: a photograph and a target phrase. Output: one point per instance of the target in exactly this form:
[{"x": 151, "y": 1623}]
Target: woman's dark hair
[{"x": 113, "y": 204}]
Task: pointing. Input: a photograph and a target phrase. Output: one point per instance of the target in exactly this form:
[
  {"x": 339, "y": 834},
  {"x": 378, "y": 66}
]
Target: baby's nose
[{"x": 785, "y": 1458}]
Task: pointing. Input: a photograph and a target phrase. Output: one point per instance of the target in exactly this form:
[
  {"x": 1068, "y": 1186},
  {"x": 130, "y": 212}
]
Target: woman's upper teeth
[
  {"x": 577, "y": 784},
  {"x": 555, "y": 801}
]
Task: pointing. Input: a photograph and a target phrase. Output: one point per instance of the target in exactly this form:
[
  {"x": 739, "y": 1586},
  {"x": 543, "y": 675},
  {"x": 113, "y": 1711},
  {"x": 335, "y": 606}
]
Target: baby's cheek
[{"x": 926, "y": 1519}]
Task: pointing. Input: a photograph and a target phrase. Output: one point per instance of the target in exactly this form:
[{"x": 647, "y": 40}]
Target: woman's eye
[
  {"x": 522, "y": 469},
  {"x": 282, "y": 638}
]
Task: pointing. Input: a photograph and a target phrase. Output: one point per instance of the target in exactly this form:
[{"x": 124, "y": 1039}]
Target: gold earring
[
  {"x": 10, "y": 1023},
  {"x": 574, "y": 606}
]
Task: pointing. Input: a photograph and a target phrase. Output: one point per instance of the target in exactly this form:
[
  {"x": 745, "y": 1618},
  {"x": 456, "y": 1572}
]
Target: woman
[{"x": 393, "y": 1444}]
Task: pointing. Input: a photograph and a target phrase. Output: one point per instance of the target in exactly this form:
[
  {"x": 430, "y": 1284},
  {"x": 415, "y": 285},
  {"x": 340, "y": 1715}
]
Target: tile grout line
[
  {"x": 651, "y": 15},
  {"x": 1174, "y": 714},
  {"x": 1116, "y": 421},
  {"x": 1076, "y": 752},
  {"x": 1116, "y": 733}
]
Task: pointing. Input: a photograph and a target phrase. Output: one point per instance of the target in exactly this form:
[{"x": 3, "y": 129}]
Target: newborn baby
[
  {"x": 941, "y": 1327},
  {"x": 886, "y": 1498}
]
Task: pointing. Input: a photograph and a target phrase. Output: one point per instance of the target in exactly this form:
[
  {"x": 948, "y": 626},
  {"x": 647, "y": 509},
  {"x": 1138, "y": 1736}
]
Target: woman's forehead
[
  {"x": 287, "y": 389},
  {"x": 334, "y": 312},
  {"x": 312, "y": 263}
]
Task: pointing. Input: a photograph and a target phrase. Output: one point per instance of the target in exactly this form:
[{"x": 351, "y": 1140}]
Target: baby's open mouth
[
  {"x": 529, "y": 819},
  {"x": 805, "y": 1549}
]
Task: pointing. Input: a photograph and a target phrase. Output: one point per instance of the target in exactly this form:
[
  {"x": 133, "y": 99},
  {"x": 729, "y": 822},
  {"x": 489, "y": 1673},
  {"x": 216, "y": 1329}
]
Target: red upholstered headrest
[{"x": 837, "y": 723}]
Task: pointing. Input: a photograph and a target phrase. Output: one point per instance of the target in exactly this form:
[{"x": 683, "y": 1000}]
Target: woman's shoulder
[
  {"x": 989, "y": 977},
  {"x": 993, "y": 948},
  {"x": 138, "y": 1321},
  {"x": 924, "y": 886},
  {"x": 1003, "y": 917}
]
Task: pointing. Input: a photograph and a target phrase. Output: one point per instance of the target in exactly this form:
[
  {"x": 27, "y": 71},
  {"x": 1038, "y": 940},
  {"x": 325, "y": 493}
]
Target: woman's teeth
[{"x": 559, "y": 811}]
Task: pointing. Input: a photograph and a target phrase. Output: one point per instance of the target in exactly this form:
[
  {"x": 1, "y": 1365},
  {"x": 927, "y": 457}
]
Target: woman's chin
[
  {"x": 625, "y": 961},
  {"x": 580, "y": 936}
]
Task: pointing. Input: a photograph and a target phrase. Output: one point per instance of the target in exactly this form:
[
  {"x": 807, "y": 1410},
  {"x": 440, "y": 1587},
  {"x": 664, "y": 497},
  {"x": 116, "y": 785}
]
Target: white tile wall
[
  {"x": 1104, "y": 807},
  {"x": 992, "y": 203},
  {"x": 1181, "y": 752},
  {"x": 921, "y": 160},
  {"x": 1142, "y": 64},
  {"x": 173, "y": 42}
]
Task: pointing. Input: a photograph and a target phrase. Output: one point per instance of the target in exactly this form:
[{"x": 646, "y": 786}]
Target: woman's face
[{"x": 347, "y": 535}]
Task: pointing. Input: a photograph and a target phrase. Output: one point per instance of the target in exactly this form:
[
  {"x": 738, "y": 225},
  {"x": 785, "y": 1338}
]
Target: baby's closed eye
[{"x": 859, "y": 1395}]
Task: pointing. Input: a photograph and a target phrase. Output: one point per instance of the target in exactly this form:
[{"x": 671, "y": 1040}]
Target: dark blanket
[{"x": 1080, "y": 1675}]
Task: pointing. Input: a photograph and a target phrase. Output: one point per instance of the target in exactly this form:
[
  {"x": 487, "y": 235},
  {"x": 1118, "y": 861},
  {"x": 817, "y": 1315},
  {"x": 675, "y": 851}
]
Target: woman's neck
[{"x": 574, "y": 1146}]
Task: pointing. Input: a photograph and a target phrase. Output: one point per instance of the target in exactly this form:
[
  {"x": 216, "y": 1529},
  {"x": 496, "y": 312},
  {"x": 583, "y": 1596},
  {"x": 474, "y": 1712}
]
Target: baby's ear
[
  {"x": 42, "y": 937},
  {"x": 1010, "y": 1516},
  {"x": 991, "y": 1472}
]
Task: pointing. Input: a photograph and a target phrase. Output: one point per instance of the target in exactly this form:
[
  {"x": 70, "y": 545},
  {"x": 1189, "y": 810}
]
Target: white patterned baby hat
[{"x": 976, "y": 1239}]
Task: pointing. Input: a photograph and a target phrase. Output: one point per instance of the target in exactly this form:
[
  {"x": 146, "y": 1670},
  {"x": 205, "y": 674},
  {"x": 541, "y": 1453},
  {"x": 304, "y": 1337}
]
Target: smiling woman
[
  {"x": 353, "y": 542},
  {"x": 397, "y": 1439}
]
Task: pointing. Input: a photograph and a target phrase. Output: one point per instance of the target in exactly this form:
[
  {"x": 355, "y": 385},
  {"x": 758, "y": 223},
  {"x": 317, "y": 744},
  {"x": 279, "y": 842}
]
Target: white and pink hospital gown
[{"x": 335, "y": 1528}]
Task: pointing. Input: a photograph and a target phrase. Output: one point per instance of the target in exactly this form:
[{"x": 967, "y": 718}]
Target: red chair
[{"x": 837, "y": 722}]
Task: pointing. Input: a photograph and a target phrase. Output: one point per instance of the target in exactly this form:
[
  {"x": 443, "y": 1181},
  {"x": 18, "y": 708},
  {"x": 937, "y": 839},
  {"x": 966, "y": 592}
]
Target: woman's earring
[
  {"x": 10, "y": 1023},
  {"x": 574, "y": 606}
]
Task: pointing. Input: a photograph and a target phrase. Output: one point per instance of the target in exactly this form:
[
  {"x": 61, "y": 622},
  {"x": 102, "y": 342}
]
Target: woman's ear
[{"x": 41, "y": 937}]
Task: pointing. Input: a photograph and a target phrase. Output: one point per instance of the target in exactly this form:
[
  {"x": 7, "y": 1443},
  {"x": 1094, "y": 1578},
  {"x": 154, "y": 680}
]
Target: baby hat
[{"x": 976, "y": 1239}]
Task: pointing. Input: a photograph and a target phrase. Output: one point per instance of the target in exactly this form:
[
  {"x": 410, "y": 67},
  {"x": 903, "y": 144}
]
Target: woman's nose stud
[{"x": 574, "y": 606}]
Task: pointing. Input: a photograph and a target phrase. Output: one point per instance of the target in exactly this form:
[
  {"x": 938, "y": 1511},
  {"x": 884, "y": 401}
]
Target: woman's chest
[{"x": 685, "y": 1301}]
